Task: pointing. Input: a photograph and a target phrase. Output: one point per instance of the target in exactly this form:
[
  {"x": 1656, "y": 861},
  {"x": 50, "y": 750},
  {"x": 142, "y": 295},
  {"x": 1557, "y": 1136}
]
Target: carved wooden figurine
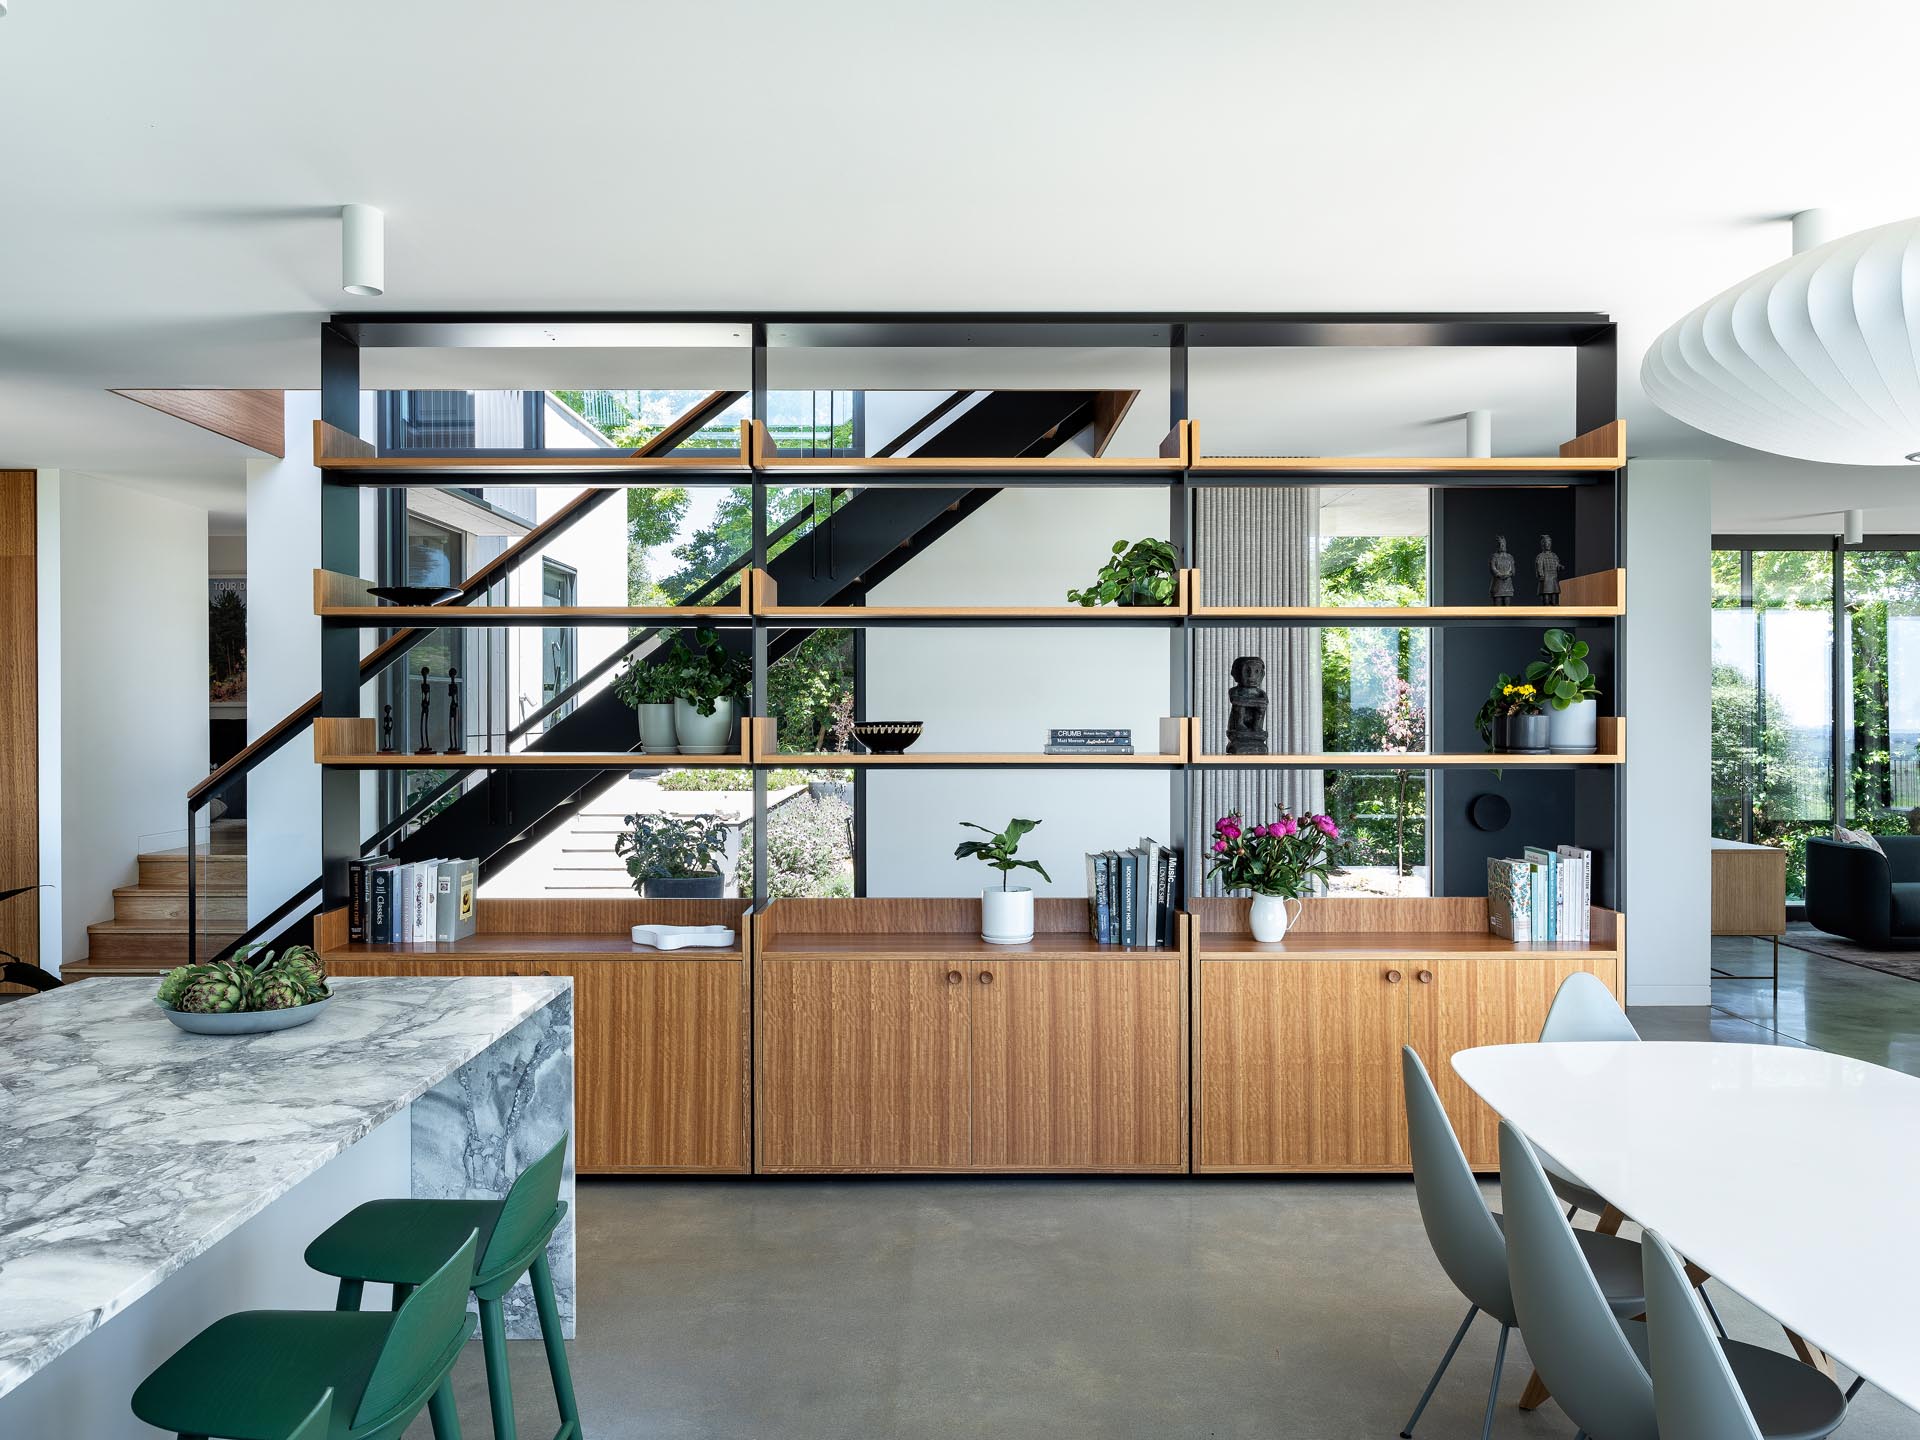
[
  {"x": 425, "y": 747},
  {"x": 1247, "y": 707},
  {"x": 456, "y": 742}
]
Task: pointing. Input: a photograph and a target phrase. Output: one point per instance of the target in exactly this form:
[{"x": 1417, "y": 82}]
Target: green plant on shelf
[
  {"x": 644, "y": 680},
  {"x": 1143, "y": 573},
  {"x": 671, "y": 847},
  {"x": 1000, "y": 849},
  {"x": 1561, "y": 675}
]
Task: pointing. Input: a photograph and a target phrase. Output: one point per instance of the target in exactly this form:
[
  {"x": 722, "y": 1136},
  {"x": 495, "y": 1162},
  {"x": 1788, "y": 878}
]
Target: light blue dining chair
[
  {"x": 1467, "y": 1240},
  {"x": 1596, "y": 1365},
  {"x": 1694, "y": 1390}
]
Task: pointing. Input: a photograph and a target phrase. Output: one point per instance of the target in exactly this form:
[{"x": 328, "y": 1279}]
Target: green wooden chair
[
  {"x": 249, "y": 1376},
  {"x": 316, "y": 1425},
  {"x": 396, "y": 1242}
]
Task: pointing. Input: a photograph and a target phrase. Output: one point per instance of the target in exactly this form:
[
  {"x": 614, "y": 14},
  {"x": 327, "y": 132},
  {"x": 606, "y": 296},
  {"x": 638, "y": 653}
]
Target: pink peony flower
[
  {"x": 1229, "y": 828},
  {"x": 1219, "y": 847},
  {"x": 1327, "y": 827},
  {"x": 1287, "y": 826}
]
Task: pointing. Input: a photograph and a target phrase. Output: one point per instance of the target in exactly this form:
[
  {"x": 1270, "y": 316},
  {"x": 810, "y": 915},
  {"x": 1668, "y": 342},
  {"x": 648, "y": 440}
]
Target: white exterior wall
[
  {"x": 124, "y": 664},
  {"x": 1668, "y": 670}
]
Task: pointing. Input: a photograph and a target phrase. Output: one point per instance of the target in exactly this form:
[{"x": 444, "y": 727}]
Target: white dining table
[{"x": 1792, "y": 1176}]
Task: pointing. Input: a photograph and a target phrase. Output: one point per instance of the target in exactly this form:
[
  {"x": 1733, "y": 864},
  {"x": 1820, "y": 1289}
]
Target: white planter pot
[
  {"x": 1270, "y": 918},
  {"x": 1006, "y": 916},
  {"x": 1573, "y": 731},
  {"x": 656, "y": 729},
  {"x": 703, "y": 734}
]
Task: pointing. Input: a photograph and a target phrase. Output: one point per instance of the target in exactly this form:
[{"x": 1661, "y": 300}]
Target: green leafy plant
[
  {"x": 1509, "y": 695},
  {"x": 1143, "y": 573},
  {"x": 1561, "y": 675},
  {"x": 1289, "y": 858},
  {"x": 809, "y": 850},
  {"x": 645, "y": 681},
  {"x": 706, "y": 672},
  {"x": 999, "y": 850},
  {"x": 671, "y": 847}
]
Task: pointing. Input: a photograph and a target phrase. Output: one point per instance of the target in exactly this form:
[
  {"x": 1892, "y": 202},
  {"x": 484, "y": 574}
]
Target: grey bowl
[{"x": 246, "y": 1022}]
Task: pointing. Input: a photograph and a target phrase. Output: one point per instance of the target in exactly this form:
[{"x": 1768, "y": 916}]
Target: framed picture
[{"x": 227, "y": 640}]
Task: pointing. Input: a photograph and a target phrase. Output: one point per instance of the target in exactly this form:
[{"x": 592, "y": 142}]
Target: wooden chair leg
[
  {"x": 1811, "y": 1354},
  {"x": 1611, "y": 1219},
  {"x": 1536, "y": 1393}
]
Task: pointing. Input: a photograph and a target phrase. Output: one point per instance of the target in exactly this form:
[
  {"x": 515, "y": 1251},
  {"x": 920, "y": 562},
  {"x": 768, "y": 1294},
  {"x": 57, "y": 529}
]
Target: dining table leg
[{"x": 1810, "y": 1354}]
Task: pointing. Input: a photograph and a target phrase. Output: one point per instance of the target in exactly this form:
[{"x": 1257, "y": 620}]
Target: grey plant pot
[
  {"x": 684, "y": 887},
  {"x": 1524, "y": 734},
  {"x": 656, "y": 729},
  {"x": 1574, "y": 730},
  {"x": 703, "y": 734}
]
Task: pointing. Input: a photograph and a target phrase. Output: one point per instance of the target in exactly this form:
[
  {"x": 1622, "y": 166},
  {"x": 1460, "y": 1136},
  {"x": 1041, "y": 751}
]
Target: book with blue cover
[{"x": 1510, "y": 900}]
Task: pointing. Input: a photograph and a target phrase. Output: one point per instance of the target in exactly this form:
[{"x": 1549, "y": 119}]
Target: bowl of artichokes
[{"x": 254, "y": 991}]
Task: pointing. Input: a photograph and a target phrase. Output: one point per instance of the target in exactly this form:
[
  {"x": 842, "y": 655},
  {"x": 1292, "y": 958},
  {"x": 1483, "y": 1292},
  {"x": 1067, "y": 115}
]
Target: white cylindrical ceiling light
[
  {"x": 1855, "y": 527},
  {"x": 363, "y": 250},
  {"x": 1817, "y": 357},
  {"x": 1480, "y": 434}
]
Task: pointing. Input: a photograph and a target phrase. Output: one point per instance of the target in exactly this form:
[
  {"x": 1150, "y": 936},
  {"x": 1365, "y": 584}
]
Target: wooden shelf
[
  {"x": 766, "y": 751},
  {"x": 766, "y": 604},
  {"x": 936, "y": 929},
  {"x": 351, "y": 744},
  {"x": 1415, "y": 945},
  {"x": 345, "y": 597},
  {"x": 1387, "y": 928},
  {"x": 536, "y": 947},
  {"x": 1600, "y": 596},
  {"x": 337, "y": 453},
  {"x": 557, "y": 930},
  {"x": 1612, "y": 736},
  {"x": 1597, "y": 451},
  {"x": 1175, "y": 455}
]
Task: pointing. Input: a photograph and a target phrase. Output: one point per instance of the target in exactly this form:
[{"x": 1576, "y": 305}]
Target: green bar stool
[
  {"x": 396, "y": 1242},
  {"x": 245, "y": 1377}
]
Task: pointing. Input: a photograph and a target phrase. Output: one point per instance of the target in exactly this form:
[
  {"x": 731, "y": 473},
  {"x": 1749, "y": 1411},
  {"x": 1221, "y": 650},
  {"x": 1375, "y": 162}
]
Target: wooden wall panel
[
  {"x": 19, "y": 716},
  {"x": 255, "y": 418}
]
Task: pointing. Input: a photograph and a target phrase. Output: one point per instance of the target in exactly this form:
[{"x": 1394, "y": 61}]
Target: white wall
[
  {"x": 1003, "y": 689},
  {"x": 129, "y": 677},
  {"x": 1668, "y": 782}
]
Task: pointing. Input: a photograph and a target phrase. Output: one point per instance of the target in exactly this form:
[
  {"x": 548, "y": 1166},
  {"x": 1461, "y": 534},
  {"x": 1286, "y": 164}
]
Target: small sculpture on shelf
[
  {"x": 456, "y": 743},
  {"x": 1500, "y": 592},
  {"x": 1546, "y": 566},
  {"x": 1247, "y": 707},
  {"x": 386, "y": 729},
  {"x": 425, "y": 747}
]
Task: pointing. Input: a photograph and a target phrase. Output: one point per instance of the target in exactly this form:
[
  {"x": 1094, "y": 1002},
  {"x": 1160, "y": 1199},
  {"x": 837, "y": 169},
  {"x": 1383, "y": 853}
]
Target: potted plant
[
  {"x": 1006, "y": 914},
  {"x": 1512, "y": 720},
  {"x": 674, "y": 857},
  {"x": 708, "y": 681},
  {"x": 1143, "y": 573},
  {"x": 1566, "y": 683},
  {"x": 1281, "y": 862},
  {"x": 647, "y": 685}
]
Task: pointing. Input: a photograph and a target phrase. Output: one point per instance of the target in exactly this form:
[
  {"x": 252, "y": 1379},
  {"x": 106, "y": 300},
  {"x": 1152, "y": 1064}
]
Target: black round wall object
[{"x": 1489, "y": 812}]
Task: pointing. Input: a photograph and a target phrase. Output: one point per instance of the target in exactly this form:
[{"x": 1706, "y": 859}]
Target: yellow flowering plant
[{"x": 1510, "y": 695}]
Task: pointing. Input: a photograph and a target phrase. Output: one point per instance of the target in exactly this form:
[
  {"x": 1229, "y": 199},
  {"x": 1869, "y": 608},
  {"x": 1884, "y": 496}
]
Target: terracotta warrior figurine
[
  {"x": 1247, "y": 707},
  {"x": 1546, "y": 566},
  {"x": 1501, "y": 564}
]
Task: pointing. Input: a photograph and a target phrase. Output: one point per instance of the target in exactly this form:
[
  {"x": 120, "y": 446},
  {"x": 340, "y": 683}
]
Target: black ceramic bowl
[{"x": 887, "y": 737}]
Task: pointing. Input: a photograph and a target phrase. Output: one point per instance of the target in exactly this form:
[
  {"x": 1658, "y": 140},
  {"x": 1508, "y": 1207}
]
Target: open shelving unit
[
  {"x": 1602, "y": 450},
  {"x": 353, "y": 744},
  {"x": 344, "y": 599}
]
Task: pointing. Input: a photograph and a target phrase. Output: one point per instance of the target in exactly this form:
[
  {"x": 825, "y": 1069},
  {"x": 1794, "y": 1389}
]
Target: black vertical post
[
  {"x": 1179, "y": 647},
  {"x": 339, "y": 644},
  {"x": 759, "y": 705},
  {"x": 1596, "y": 392}
]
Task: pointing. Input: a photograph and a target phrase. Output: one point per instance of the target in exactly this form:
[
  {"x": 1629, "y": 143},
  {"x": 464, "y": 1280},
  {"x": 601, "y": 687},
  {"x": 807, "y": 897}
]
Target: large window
[{"x": 1880, "y": 728}]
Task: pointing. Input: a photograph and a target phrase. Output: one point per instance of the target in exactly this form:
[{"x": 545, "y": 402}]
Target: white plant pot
[
  {"x": 703, "y": 734},
  {"x": 656, "y": 729},
  {"x": 1006, "y": 916},
  {"x": 1270, "y": 919},
  {"x": 1574, "y": 730}
]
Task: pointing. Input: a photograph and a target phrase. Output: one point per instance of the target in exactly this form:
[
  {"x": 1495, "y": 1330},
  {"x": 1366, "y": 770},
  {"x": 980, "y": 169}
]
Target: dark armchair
[{"x": 1870, "y": 899}]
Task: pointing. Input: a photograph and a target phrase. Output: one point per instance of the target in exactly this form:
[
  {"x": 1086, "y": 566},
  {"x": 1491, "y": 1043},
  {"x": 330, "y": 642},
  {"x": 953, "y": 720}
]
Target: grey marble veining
[{"x": 131, "y": 1147}]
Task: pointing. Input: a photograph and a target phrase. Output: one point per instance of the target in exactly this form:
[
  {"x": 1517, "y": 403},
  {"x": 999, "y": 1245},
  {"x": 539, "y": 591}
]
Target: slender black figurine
[
  {"x": 425, "y": 747},
  {"x": 1501, "y": 564},
  {"x": 1546, "y": 566},
  {"x": 456, "y": 743},
  {"x": 386, "y": 729},
  {"x": 1247, "y": 707}
]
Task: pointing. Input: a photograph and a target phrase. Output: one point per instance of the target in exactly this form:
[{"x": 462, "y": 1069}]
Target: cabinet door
[
  {"x": 661, "y": 1059},
  {"x": 862, "y": 1065},
  {"x": 1458, "y": 1004},
  {"x": 1078, "y": 1064},
  {"x": 1300, "y": 1065}
]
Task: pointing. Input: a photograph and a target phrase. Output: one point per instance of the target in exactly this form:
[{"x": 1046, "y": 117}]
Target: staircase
[{"x": 148, "y": 932}]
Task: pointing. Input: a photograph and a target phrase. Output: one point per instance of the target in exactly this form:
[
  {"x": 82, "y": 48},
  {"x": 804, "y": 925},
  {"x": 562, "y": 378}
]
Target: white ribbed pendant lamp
[{"x": 1817, "y": 357}]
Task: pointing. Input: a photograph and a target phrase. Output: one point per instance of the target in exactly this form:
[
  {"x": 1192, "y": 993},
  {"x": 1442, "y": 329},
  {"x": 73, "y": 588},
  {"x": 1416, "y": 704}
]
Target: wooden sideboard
[
  {"x": 892, "y": 1038},
  {"x": 1297, "y": 1042},
  {"x": 660, "y": 1037}
]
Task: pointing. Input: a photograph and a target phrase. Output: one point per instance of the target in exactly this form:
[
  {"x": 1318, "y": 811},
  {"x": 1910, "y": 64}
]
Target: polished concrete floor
[{"x": 817, "y": 1310}]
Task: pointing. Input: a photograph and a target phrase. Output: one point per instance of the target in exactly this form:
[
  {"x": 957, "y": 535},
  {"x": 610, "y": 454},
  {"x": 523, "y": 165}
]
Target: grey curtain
[{"x": 1258, "y": 546}]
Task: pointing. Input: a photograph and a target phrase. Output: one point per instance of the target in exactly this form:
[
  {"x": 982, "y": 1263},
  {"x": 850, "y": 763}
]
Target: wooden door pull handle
[
  {"x": 1393, "y": 977},
  {"x": 954, "y": 977},
  {"x": 986, "y": 977},
  {"x": 1425, "y": 977}
]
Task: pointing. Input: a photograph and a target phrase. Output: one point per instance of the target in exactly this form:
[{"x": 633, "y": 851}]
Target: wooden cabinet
[
  {"x": 659, "y": 1039},
  {"x": 1298, "y": 1042},
  {"x": 890, "y": 1049}
]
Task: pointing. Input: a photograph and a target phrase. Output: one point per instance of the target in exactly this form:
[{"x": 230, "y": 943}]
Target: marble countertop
[{"x": 131, "y": 1146}]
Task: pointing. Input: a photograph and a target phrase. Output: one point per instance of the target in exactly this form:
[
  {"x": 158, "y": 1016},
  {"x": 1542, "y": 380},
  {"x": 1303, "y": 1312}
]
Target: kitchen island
[{"x": 152, "y": 1180}]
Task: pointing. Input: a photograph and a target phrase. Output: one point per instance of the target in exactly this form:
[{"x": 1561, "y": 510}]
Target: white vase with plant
[
  {"x": 647, "y": 685},
  {"x": 1566, "y": 684},
  {"x": 1281, "y": 863},
  {"x": 1006, "y": 911},
  {"x": 708, "y": 679}
]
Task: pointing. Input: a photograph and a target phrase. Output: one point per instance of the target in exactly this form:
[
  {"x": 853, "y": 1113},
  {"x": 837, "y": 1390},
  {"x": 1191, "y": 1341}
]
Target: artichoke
[
  {"x": 174, "y": 984},
  {"x": 304, "y": 968},
  {"x": 220, "y": 991},
  {"x": 278, "y": 993}
]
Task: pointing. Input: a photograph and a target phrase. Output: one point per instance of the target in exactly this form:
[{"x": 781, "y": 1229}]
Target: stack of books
[
  {"x": 1089, "y": 742},
  {"x": 1544, "y": 896},
  {"x": 414, "y": 902},
  {"x": 1132, "y": 895}
]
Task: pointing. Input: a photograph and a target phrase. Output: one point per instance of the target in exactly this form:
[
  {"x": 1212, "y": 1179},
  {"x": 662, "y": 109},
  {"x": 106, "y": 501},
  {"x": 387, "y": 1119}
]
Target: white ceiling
[{"x": 171, "y": 171}]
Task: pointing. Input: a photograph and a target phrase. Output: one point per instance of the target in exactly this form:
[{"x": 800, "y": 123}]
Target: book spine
[
  {"x": 380, "y": 916},
  {"x": 356, "y": 900},
  {"x": 1163, "y": 898},
  {"x": 1103, "y": 872},
  {"x": 1093, "y": 899},
  {"x": 1127, "y": 882},
  {"x": 1067, "y": 736},
  {"x": 1087, "y": 750}
]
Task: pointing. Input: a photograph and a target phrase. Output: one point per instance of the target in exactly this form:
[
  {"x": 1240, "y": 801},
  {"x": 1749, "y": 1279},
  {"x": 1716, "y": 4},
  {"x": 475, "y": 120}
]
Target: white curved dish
[{"x": 683, "y": 937}]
